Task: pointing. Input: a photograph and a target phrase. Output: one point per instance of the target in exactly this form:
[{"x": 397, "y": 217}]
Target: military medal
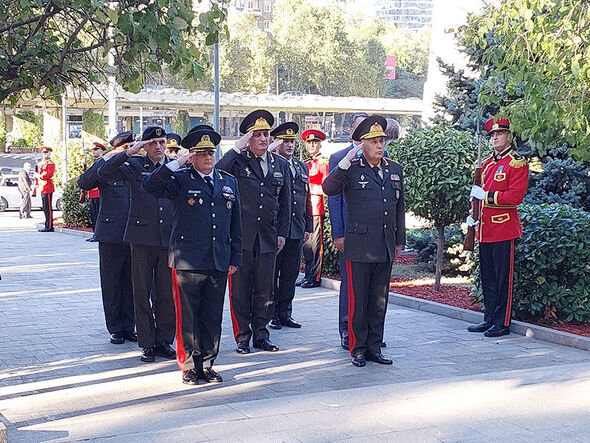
[
  {"x": 200, "y": 201},
  {"x": 191, "y": 201},
  {"x": 248, "y": 172},
  {"x": 228, "y": 204}
]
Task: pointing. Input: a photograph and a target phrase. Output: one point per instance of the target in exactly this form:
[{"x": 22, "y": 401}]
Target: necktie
[
  {"x": 260, "y": 165},
  {"x": 209, "y": 183},
  {"x": 376, "y": 171}
]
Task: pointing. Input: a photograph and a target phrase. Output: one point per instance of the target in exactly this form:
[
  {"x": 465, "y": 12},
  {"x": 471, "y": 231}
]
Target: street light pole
[{"x": 216, "y": 93}]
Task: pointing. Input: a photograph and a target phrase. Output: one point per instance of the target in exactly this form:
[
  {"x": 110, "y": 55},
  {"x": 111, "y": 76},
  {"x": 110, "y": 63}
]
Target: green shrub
[
  {"x": 330, "y": 260},
  {"x": 551, "y": 265},
  {"x": 93, "y": 123},
  {"x": 75, "y": 214}
]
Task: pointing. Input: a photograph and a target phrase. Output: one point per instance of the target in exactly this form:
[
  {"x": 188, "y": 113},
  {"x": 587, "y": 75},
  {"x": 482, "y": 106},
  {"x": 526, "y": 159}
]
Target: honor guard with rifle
[{"x": 504, "y": 180}]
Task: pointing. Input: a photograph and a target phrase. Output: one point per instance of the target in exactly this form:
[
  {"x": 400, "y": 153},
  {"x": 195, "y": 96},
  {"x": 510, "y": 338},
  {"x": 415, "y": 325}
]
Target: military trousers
[
  {"x": 116, "y": 286},
  {"x": 94, "y": 206},
  {"x": 343, "y": 299},
  {"x": 496, "y": 262},
  {"x": 368, "y": 291},
  {"x": 313, "y": 251},
  {"x": 251, "y": 299},
  {"x": 286, "y": 272},
  {"x": 25, "y": 204},
  {"x": 198, "y": 301},
  {"x": 149, "y": 265},
  {"x": 46, "y": 203}
]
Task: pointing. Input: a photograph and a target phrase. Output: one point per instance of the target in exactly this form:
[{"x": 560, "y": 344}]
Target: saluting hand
[
  {"x": 274, "y": 145},
  {"x": 354, "y": 152},
  {"x": 135, "y": 147},
  {"x": 244, "y": 141},
  {"x": 187, "y": 156}
]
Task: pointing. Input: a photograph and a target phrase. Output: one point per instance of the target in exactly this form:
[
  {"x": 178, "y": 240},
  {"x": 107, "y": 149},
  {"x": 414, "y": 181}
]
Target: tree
[
  {"x": 538, "y": 51},
  {"x": 439, "y": 166},
  {"x": 48, "y": 45},
  {"x": 182, "y": 122}
]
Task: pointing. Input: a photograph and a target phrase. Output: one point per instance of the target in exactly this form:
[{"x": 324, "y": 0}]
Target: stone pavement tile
[
  {"x": 276, "y": 424},
  {"x": 410, "y": 436}
]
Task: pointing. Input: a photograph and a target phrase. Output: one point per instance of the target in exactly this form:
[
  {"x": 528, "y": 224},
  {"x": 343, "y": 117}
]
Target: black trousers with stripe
[
  {"x": 251, "y": 295},
  {"x": 313, "y": 251},
  {"x": 198, "y": 300},
  {"x": 496, "y": 262},
  {"x": 286, "y": 272},
  {"x": 368, "y": 291},
  {"x": 46, "y": 202},
  {"x": 343, "y": 299}
]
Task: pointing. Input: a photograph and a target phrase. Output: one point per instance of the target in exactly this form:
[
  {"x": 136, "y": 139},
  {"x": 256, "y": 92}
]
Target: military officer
[
  {"x": 172, "y": 145},
  {"x": 44, "y": 175},
  {"x": 266, "y": 208},
  {"x": 313, "y": 251},
  {"x": 148, "y": 232},
  {"x": 98, "y": 150},
  {"x": 205, "y": 247},
  {"x": 113, "y": 251},
  {"x": 505, "y": 179},
  {"x": 300, "y": 226},
  {"x": 375, "y": 234}
]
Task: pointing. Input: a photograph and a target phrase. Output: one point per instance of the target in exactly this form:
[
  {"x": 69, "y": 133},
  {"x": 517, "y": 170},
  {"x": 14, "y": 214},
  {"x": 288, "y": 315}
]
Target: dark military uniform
[
  {"x": 375, "y": 225},
  {"x": 114, "y": 252},
  {"x": 148, "y": 232},
  {"x": 205, "y": 241},
  {"x": 266, "y": 209}
]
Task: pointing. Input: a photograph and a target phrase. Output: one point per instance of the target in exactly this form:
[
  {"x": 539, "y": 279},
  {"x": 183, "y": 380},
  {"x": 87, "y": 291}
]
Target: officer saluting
[
  {"x": 113, "y": 252},
  {"x": 205, "y": 247},
  {"x": 172, "y": 145},
  {"x": 148, "y": 232},
  {"x": 266, "y": 208},
  {"x": 287, "y": 265},
  {"x": 375, "y": 234}
]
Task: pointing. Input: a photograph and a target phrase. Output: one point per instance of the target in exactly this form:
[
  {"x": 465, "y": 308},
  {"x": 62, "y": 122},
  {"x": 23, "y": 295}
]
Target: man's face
[
  {"x": 46, "y": 154},
  {"x": 155, "y": 149},
  {"x": 313, "y": 147},
  {"x": 204, "y": 161},
  {"x": 259, "y": 142},
  {"x": 97, "y": 152},
  {"x": 286, "y": 149},
  {"x": 500, "y": 140},
  {"x": 373, "y": 149},
  {"x": 171, "y": 153}
]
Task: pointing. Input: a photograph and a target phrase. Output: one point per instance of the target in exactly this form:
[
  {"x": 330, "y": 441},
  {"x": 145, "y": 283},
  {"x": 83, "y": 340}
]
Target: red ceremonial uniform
[
  {"x": 318, "y": 171},
  {"x": 504, "y": 177},
  {"x": 46, "y": 171}
]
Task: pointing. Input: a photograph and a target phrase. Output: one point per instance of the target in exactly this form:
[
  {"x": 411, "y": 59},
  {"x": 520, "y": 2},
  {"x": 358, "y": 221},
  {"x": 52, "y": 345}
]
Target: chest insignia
[
  {"x": 394, "y": 177},
  {"x": 363, "y": 184},
  {"x": 228, "y": 204},
  {"x": 191, "y": 201},
  {"x": 248, "y": 172},
  {"x": 227, "y": 190}
]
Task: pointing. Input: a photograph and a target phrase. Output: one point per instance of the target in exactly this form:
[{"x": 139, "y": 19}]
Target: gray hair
[{"x": 354, "y": 116}]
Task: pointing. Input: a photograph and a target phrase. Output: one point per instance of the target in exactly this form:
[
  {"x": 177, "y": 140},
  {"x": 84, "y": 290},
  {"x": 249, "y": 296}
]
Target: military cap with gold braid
[
  {"x": 173, "y": 141},
  {"x": 371, "y": 127},
  {"x": 258, "y": 120},
  {"x": 313, "y": 134},
  {"x": 199, "y": 141},
  {"x": 200, "y": 128},
  {"x": 286, "y": 131},
  {"x": 499, "y": 124}
]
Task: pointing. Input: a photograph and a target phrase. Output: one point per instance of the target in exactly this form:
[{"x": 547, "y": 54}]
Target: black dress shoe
[
  {"x": 379, "y": 358},
  {"x": 300, "y": 282},
  {"x": 147, "y": 354},
  {"x": 310, "y": 284},
  {"x": 165, "y": 350},
  {"x": 190, "y": 377},
  {"x": 290, "y": 323},
  {"x": 209, "y": 375},
  {"x": 480, "y": 327},
  {"x": 497, "y": 331},
  {"x": 345, "y": 343},
  {"x": 359, "y": 360},
  {"x": 266, "y": 345},
  {"x": 130, "y": 336},
  {"x": 274, "y": 324},
  {"x": 117, "y": 338},
  {"x": 45, "y": 230},
  {"x": 91, "y": 239},
  {"x": 243, "y": 348}
]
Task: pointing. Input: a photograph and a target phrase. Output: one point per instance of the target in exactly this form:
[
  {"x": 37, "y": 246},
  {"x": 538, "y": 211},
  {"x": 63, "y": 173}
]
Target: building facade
[
  {"x": 260, "y": 9},
  {"x": 410, "y": 14}
]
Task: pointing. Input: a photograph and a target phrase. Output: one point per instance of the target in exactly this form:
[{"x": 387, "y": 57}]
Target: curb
[
  {"x": 516, "y": 327},
  {"x": 66, "y": 231}
]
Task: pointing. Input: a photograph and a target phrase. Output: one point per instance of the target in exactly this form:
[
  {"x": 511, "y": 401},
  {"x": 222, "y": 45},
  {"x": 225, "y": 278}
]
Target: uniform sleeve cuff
[
  {"x": 173, "y": 165},
  {"x": 344, "y": 163},
  {"x": 235, "y": 148}
]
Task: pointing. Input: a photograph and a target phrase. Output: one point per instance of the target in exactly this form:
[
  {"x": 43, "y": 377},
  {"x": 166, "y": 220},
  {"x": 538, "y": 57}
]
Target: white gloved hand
[
  {"x": 244, "y": 141},
  {"x": 477, "y": 192},
  {"x": 274, "y": 145},
  {"x": 471, "y": 222}
]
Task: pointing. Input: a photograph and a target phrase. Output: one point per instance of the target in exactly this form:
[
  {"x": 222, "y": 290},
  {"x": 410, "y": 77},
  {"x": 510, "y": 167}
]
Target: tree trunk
[{"x": 440, "y": 243}]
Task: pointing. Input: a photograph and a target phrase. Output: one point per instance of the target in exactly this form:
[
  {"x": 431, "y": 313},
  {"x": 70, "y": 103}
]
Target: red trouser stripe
[
  {"x": 351, "y": 335},
  {"x": 509, "y": 301},
  {"x": 319, "y": 276},
  {"x": 180, "y": 355},
  {"x": 234, "y": 321},
  {"x": 50, "y": 199}
]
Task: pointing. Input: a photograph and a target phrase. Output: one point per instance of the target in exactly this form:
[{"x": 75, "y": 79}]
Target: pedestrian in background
[{"x": 25, "y": 187}]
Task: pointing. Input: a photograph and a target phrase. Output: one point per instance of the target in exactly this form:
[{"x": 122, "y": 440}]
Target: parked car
[{"x": 10, "y": 197}]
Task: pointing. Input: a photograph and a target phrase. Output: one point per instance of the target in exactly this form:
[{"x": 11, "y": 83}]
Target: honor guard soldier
[
  {"x": 263, "y": 179},
  {"x": 44, "y": 174},
  {"x": 148, "y": 233},
  {"x": 98, "y": 149},
  {"x": 114, "y": 252},
  {"x": 205, "y": 248},
  {"x": 504, "y": 178},
  {"x": 337, "y": 208},
  {"x": 300, "y": 226},
  {"x": 172, "y": 145},
  {"x": 375, "y": 234},
  {"x": 313, "y": 251}
]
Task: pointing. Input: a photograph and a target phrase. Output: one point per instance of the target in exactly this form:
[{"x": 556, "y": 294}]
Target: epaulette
[
  {"x": 224, "y": 172},
  {"x": 517, "y": 160}
]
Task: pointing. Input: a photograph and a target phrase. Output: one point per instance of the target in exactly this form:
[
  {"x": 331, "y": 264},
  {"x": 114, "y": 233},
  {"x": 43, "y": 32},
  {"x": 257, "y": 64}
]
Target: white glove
[
  {"x": 274, "y": 145},
  {"x": 477, "y": 192},
  {"x": 471, "y": 222},
  {"x": 243, "y": 141}
]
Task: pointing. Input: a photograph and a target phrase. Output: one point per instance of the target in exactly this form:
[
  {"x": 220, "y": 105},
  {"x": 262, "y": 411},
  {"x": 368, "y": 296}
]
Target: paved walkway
[{"x": 60, "y": 378}]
